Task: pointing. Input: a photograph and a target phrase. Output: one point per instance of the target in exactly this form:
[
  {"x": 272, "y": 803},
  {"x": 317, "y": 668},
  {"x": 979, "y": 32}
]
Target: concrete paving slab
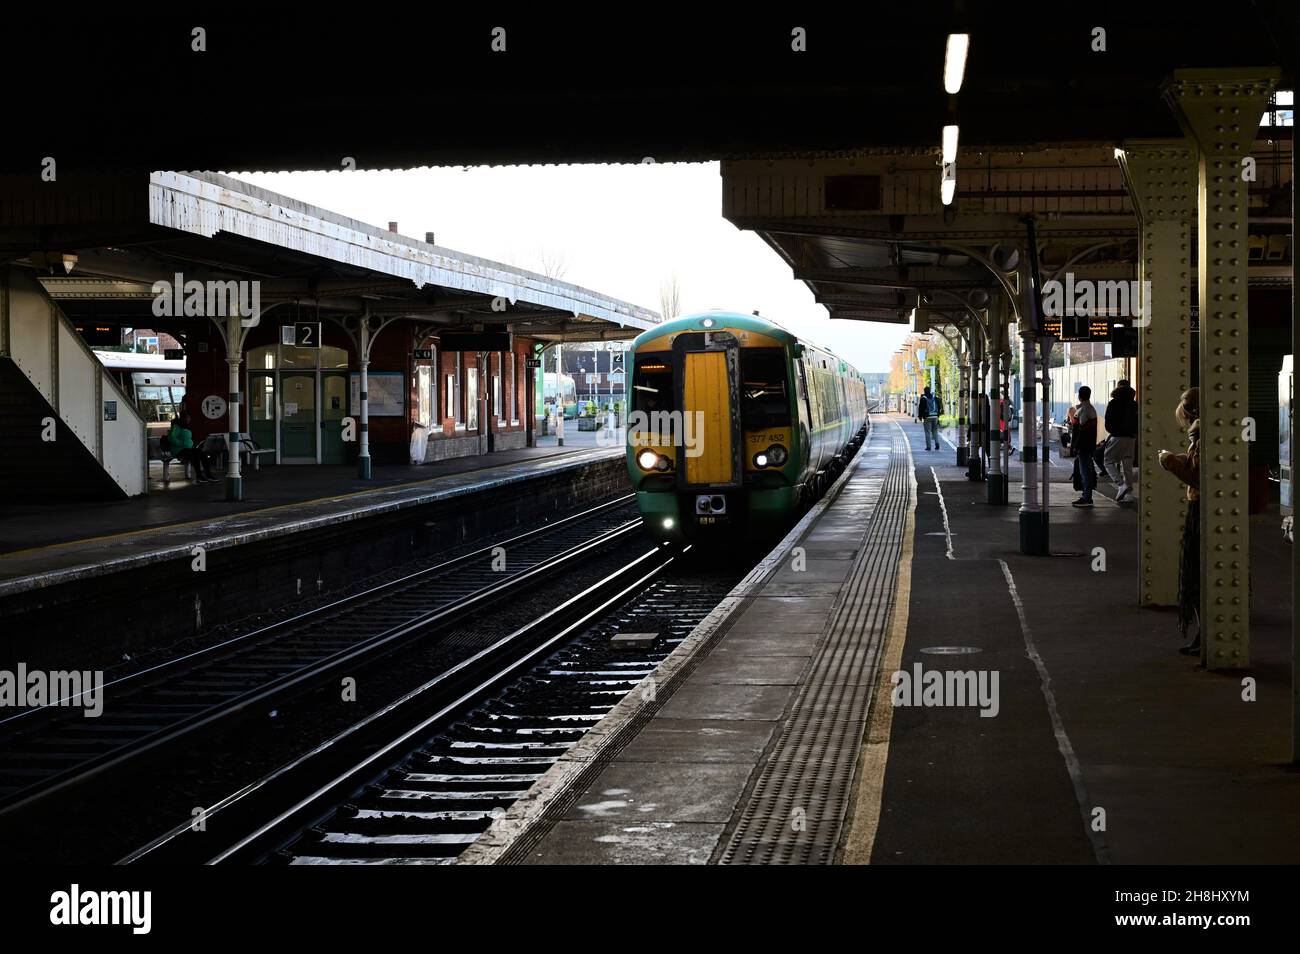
[
  {"x": 642, "y": 793},
  {"x": 707, "y": 700},
  {"x": 611, "y": 842},
  {"x": 700, "y": 740},
  {"x": 768, "y": 644},
  {"x": 752, "y": 670},
  {"x": 805, "y": 589}
]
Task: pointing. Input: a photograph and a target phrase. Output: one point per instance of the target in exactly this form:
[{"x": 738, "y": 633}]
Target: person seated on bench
[{"x": 181, "y": 440}]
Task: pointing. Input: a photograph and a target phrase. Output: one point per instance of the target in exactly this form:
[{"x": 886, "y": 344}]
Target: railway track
[
  {"x": 419, "y": 781},
  {"x": 47, "y": 750}
]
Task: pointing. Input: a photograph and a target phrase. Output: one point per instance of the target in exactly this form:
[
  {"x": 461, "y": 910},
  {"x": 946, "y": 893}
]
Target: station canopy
[{"x": 129, "y": 232}]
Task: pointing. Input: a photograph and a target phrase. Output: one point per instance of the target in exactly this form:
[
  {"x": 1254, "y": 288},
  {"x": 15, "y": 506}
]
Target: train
[
  {"x": 736, "y": 425},
  {"x": 552, "y": 388},
  {"x": 155, "y": 383}
]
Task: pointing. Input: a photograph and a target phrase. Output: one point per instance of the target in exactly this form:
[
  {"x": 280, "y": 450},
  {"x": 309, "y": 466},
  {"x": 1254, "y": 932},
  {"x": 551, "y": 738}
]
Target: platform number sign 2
[{"x": 301, "y": 334}]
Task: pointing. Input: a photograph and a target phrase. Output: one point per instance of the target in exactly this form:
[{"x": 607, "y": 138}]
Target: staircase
[{"x": 67, "y": 432}]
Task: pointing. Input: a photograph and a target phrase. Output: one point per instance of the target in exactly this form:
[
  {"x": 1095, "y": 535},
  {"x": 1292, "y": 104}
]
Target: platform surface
[
  {"x": 41, "y": 544},
  {"x": 1107, "y": 746}
]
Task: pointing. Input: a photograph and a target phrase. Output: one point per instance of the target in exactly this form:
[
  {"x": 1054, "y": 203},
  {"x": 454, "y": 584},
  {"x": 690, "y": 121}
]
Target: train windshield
[
  {"x": 652, "y": 386},
  {"x": 764, "y": 397},
  {"x": 653, "y": 393}
]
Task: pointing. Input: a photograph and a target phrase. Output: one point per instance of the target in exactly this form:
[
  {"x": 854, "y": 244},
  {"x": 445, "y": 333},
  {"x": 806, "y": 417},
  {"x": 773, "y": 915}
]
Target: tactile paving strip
[{"x": 795, "y": 811}]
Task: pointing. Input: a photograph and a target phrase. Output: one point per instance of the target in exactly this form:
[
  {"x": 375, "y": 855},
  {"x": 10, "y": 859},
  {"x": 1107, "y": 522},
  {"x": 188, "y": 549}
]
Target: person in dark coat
[
  {"x": 927, "y": 412},
  {"x": 1122, "y": 425},
  {"x": 1083, "y": 439}
]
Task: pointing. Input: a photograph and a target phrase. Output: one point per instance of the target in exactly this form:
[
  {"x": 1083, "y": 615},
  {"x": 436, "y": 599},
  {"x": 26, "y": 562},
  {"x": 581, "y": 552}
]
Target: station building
[{"x": 355, "y": 344}]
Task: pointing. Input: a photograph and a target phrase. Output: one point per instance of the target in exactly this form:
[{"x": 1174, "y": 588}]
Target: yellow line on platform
[
  {"x": 264, "y": 510},
  {"x": 864, "y": 812}
]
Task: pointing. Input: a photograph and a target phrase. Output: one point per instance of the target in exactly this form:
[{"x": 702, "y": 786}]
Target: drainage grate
[{"x": 796, "y": 810}]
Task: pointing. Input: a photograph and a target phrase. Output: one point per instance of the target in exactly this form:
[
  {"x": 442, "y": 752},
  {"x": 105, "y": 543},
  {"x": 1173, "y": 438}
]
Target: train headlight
[
  {"x": 663, "y": 463},
  {"x": 760, "y": 459},
  {"x": 777, "y": 454},
  {"x": 647, "y": 460}
]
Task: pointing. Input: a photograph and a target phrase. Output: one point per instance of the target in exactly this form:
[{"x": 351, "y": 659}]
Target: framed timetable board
[{"x": 386, "y": 390}]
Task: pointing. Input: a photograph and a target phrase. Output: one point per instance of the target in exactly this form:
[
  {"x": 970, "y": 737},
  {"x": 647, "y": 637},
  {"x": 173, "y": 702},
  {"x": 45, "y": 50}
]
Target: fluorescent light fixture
[
  {"x": 949, "y": 143},
  {"x": 954, "y": 61},
  {"x": 948, "y": 188}
]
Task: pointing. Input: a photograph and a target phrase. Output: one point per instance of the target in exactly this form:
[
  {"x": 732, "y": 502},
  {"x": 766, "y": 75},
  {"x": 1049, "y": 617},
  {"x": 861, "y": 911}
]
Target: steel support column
[
  {"x": 1161, "y": 178},
  {"x": 996, "y": 480},
  {"x": 1035, "y": 529},
  {"x": 234, "y": 355},
  {"x": 963, "y": 394},
  {"x": 1220, "y": 109},
  {"x": 973, "y": 402},
  {"x": 363, "y": 426}
]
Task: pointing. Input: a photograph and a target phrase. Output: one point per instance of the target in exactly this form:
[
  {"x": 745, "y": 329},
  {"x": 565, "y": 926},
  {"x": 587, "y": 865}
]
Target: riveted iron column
[
  {"x": 1161, "y": 177},
  {"x": 363, "y": 426},
  {"x": 234, "y": 355},
  {"x": 996, "y": 487},
  {"x": 1220, "y": 109},
  {"x": 973, "y": 402},
  {"x": 963, "y": 395},
  {"x": 1035, "y": 528}
]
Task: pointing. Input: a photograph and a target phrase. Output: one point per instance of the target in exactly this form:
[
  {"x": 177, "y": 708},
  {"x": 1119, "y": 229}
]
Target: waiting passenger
[
  {"x": 1122, "y": 424},
  {"x": 1187, "y": 468},
  {"x": 927, "y": 412},
  {"x": 1083, "y": 439},
  {"x": 181, "y": 439}
]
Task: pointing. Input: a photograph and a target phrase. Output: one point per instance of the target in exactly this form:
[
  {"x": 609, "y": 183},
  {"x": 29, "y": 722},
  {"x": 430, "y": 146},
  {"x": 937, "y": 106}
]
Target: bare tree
[
  {"x": 670, "y": 297},
  {"x": 554, "y": 263}
]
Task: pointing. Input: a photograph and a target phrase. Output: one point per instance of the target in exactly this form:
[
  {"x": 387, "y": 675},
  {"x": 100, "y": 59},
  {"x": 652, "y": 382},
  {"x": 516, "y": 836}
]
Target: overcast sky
[{"x": 620, "y": 230}]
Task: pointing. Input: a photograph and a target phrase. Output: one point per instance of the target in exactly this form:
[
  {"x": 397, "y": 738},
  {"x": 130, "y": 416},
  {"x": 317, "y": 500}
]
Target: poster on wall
[{"x": 387, "y": 390}]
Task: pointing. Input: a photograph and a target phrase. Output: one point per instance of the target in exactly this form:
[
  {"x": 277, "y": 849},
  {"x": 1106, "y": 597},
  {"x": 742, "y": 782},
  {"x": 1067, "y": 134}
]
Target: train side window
[{"x": 764, "y": 395}]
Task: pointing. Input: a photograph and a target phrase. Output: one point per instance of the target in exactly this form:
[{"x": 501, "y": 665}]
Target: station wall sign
[
  {"x": 475, "y": 341},
  {"x": 213, "y": 407},
  {"x": 1093, "y": 328},
  {"x": 301, "y": 334},
  {"x": 385, "y": 394},
  {"x": 423, "y": 354}
]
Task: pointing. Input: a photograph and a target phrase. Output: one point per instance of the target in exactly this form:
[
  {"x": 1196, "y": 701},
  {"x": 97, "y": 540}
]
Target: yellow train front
[{"x": 735, "y": 425}]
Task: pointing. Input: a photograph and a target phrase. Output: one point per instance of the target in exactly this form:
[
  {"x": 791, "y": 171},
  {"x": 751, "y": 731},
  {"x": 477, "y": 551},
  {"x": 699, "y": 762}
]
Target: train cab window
[
  {"x": 652, "y": 386},
  {"x": 764, "y": 394}
]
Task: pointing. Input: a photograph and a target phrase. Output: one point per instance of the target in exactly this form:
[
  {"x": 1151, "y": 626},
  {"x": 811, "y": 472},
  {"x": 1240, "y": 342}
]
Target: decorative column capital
[
  {"x": 1220, "y": 109},
  {"x": 1161, "y": 177}
]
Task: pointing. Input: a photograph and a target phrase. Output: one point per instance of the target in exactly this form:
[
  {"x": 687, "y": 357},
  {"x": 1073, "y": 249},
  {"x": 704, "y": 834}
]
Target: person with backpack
[
  {"x": 927, "y": 412},
  {"x": 1083, "y": 438},
  {"x": 181, "y": 443},
  {"x": 1122, "y": 425}
]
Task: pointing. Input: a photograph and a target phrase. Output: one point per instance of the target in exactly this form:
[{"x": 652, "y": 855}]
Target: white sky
[{"x": 620, "y": 230}]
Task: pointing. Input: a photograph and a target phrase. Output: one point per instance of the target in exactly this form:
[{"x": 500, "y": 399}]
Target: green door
[
  {"x": 261, "y": 411},
  {"x": 298, "y": 426},
  {"x": 333, "y": 408}
]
